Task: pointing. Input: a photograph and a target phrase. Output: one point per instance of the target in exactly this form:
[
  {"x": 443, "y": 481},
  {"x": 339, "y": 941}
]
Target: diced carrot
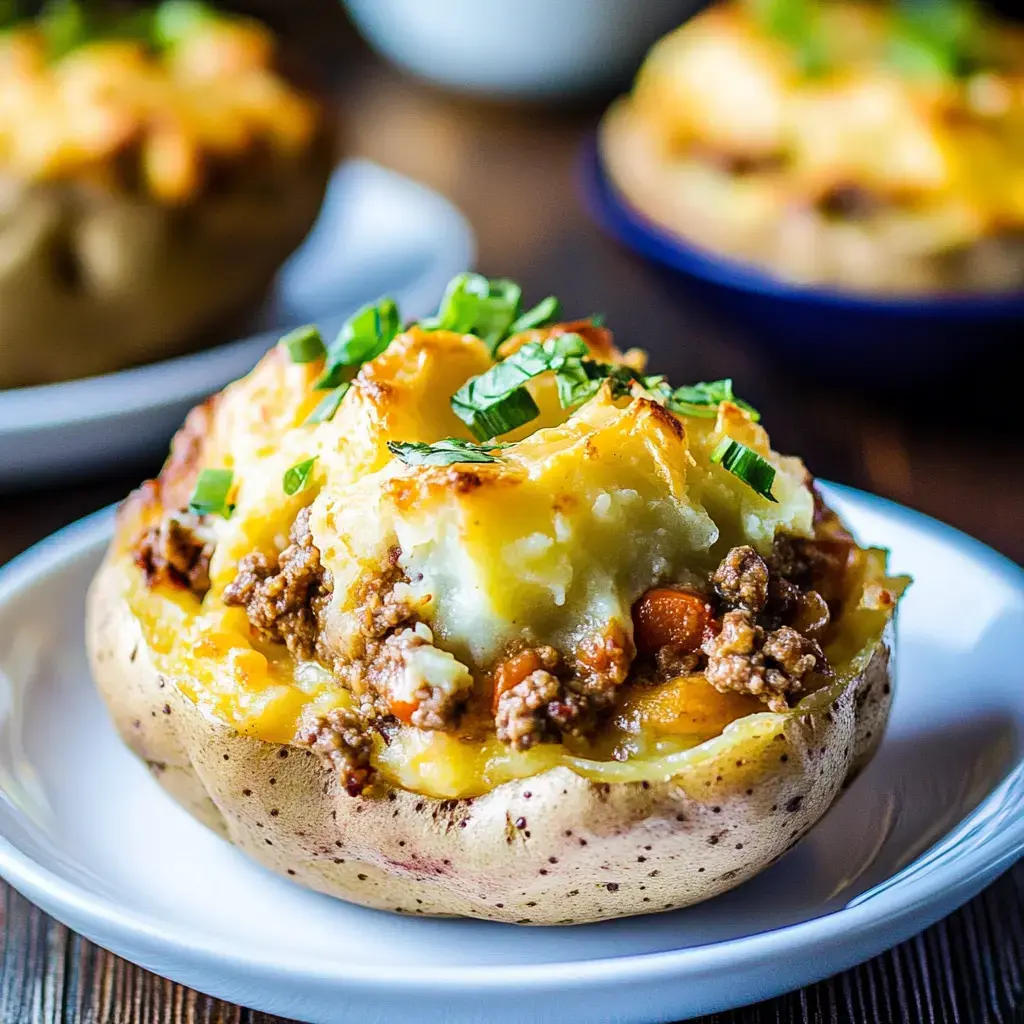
[
  {"x": 403, "y": 710},
  {"x": 664, "y": 617}
]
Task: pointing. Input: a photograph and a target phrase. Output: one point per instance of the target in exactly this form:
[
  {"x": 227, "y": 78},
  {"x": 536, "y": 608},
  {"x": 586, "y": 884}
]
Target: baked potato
[
  {"x": 477, "y": 618},
  {"x": 155, "y": 171},
  {"x": 873, "y": 147}
]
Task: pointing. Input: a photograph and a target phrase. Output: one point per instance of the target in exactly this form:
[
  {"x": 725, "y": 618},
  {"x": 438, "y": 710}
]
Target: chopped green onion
[
  {"x": 296, "y": 478},
  {"x": 545, "y": 312},
  {"x": 474, "y": 304},
  {"x": 175, "y": 20},
  {"x": 578, "y": 381},
  {"x": 328, "y": 405},
  {"x": 497, "y": 400},
  {"x": 210, "y": 494},
  {"x": 304, "y": 344},
  {"x": 500, "y": 417},
  {"x": 597, "y": 319},
  {"x": 448, "y": 452},
  {"x": 702, "y": 400},
  {"x": 745, "y": 464},
  {"x": 364, "y": 336}
]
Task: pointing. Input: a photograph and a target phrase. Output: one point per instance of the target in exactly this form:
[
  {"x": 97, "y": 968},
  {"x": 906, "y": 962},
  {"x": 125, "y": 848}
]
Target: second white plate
[
  {"x": 88, "y": 835},
  {"x": 379, "y": 233}
]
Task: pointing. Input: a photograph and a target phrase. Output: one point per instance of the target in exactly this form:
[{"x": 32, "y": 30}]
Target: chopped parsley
[
  {"x": 363, "y": 336},
  {"x": 702, "y": 400},
  {"x": 489, "y": 308},
  {"x": 448, "y": 452},
  {"x": 497, "y": 401}
]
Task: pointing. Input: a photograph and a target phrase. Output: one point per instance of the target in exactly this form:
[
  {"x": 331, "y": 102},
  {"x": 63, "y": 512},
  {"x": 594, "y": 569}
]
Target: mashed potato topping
[{"x": 451, "y": 592}]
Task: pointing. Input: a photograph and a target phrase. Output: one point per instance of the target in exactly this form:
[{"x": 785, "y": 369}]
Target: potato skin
[
  {"x": 552, "y": 849},
  {"x": 92, "y": 280}
]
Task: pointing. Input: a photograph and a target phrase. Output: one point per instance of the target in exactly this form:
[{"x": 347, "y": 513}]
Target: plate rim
[
  {"x": 634, "y": 229},
  {"x": 86, "y": 400},
  {"x": 951, "y": 882}
]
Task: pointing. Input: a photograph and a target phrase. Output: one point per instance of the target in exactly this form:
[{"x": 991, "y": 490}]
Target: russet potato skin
[{"x": 553, "y": 849}]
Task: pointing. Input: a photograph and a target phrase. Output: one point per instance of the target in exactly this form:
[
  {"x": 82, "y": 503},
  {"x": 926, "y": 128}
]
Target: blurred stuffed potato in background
[
  {"x": 872, "y": 147},
  {"x": 156, "y": 168}
]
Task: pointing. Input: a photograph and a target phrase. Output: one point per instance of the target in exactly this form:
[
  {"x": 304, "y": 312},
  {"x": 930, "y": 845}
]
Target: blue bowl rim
[{"x": 623, "y": 221}]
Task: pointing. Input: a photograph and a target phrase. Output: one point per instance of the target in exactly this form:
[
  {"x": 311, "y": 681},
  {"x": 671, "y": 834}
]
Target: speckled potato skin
[
  {"x": 552, "y": 849},
  {"x": 92, "y": 280}
]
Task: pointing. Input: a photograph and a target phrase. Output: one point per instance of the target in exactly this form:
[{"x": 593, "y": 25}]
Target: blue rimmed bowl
[{"x": 820, "y": 328}]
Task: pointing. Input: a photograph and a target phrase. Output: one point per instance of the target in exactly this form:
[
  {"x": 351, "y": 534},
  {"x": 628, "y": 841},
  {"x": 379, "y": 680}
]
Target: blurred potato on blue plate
[
  {"x": 156, "y": 168},
  {"x": 870, "y": 148}
]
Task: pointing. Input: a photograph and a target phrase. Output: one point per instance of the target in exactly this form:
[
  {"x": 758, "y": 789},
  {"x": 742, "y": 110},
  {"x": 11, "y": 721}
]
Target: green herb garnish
[
  {"x": 545, "y": 312},
  {"x": 474, "y": 304},
  {"x": 936, "y": 38},
  {"x": 364, "y": 336},
  {"x": 497, "y": 401},
  {"x": 448, "y": 452},
  {"x": 296, "y": 478},
  {"x": 210, "y": 494},
  {"x": 745, "y": 464},
  {"x": 175, "y": 20},
  {"x": 304, "y": 344},
  {"x": 328, "y": 405},
  {"x": 796, "y": 23},
  {"x": 702, "y": 400}
]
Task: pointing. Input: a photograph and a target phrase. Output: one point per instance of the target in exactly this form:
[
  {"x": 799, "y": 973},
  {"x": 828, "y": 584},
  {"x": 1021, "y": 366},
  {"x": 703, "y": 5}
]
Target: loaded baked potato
[
  {"x": 155, "y": 170},
  {"x": 477, "y": 618},
  {"x": 875, "y": 147}
]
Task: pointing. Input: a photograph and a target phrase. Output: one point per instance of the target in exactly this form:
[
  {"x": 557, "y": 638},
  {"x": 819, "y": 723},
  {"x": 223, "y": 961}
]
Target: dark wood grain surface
[{"x": 950, "y": 450}]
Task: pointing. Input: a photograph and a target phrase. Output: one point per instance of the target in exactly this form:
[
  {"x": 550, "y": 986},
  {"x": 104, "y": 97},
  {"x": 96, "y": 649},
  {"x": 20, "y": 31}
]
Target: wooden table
[{"x": 954, "y": 455}]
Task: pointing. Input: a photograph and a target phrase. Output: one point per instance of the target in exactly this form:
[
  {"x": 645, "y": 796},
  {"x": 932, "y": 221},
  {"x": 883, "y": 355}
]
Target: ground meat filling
[
  {"x": 432, "y": 706},
  {"x": 541, "y": 697},
  {"x": 285, "y": 598},
  {"x": 177, "y": 551},
  {"x": 742, "y": 579},
  {"x": 341, "y": 738},
  {"x": 766, "y": 646},
  {"x": 523, "y": 718},
  {"x": 745, "y": 658}
]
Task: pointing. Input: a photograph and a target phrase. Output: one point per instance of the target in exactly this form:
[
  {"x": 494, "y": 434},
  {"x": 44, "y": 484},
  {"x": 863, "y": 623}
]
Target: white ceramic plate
[
  {"x": 85, "y": 833},
  {"x": 378, "y": 233}
]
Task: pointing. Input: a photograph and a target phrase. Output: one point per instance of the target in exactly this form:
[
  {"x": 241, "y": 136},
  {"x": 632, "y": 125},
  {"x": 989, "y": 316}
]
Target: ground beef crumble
[
  {"x": 435, "y": 708},
  {"x": 741, "y": 579},
  {"x": 285, "y": 598},
  {"x": 746, "y": 658},
  {"x": 341, "y": 738},
  {"x": 177, "y": 550},
  {"x": 522, "y": 719}
]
